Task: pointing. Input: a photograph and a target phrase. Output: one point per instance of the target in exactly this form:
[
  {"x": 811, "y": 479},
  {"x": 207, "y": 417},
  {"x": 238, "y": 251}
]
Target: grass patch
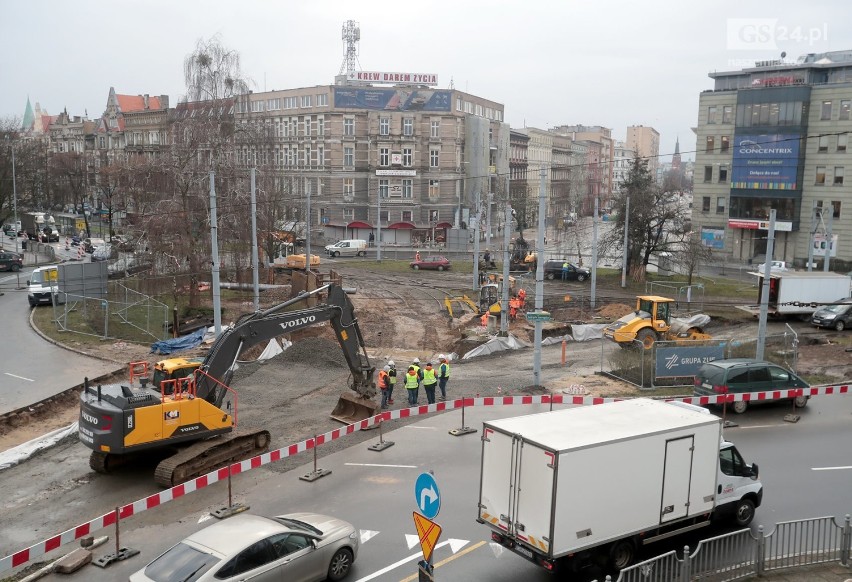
[{"x": 402, "y": 266}]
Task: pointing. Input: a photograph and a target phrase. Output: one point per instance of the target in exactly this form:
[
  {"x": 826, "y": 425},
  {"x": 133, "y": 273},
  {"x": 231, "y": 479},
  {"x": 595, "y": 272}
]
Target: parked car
[
  {"x": 10, "y": 261},
  {"x": 776, "y": 266},
  {"x": 838, "y": 316},
  {"x": 553, "y": 270},
  {"x": 354, "y": 247},
  {"x": 299, "y": 547},
  {"x": 434, "y": 262},
  {"x": 103, "y": 252},
  {"x": 740, "y": 375},
  {"x": 90, "y": 244},
  {"x": 10, "y": 230}
]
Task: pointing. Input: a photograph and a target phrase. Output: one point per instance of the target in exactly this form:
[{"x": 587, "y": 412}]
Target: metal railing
[{"x": 742, "y": 554}]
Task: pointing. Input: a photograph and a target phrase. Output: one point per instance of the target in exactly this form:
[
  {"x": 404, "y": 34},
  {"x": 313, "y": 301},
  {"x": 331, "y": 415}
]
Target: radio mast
[{"x": 351, "y": 36}]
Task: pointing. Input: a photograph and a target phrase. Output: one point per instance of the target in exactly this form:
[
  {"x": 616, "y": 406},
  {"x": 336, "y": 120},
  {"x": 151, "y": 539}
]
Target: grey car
[
  {"x": 838, "y": 315},
  {"x": 298, "y": 547}
]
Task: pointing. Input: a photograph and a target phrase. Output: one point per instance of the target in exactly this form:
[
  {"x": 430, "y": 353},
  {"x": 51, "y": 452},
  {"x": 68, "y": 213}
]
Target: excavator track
[{"x": 204, "y": 456}]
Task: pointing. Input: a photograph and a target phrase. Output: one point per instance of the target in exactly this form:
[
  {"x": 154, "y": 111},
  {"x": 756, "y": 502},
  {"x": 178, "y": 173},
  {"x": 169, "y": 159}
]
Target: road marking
[
  {"x": 446, "y": 561},
  {"x": 830, "y": 468},
  {"x": 765, "y": 425},
  {"x": 452, "y": 542},
  {"x": 423, "y": 427},
  {"x": 378, "y": 465},
  {"x": 19, "y": 377}
]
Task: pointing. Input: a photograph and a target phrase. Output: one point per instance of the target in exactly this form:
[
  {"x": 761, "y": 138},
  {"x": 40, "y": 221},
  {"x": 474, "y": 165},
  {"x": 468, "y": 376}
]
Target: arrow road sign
[{"x": 427, "y": 496}]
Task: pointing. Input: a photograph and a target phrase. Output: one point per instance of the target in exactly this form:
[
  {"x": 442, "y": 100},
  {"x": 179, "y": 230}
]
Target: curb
[{"x": 70, "y": 349}]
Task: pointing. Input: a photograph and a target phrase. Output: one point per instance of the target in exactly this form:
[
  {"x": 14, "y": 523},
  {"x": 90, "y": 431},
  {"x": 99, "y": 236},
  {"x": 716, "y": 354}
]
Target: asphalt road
[
  {"x": 32, "y": 368},
  {"x": 804, "y": 471}
]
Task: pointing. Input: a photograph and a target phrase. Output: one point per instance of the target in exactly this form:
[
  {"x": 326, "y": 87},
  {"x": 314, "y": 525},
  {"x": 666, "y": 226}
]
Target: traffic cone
[{"x": 67, "y": 244}]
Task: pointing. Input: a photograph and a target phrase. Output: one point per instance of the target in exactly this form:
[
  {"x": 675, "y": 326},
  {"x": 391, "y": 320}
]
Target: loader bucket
[{"x": 352, "y": 408}]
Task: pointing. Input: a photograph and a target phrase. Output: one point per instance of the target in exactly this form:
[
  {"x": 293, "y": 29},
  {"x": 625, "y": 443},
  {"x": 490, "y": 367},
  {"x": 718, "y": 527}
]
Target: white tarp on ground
[
  {"x": 273, "y": 348},
  {"x": 497, "y": 344},
  {"x": 579, "y": 333},
  {"x": 15, "y": 455}
]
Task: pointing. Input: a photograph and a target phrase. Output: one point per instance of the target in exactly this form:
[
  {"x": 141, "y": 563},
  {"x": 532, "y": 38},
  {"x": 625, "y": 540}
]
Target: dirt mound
[
  {"x": 614, "y": 310},
  {"x": 315, "y": 351}
]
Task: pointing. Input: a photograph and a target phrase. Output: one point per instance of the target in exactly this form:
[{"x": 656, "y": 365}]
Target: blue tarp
[{"x": 177, "y": 344}]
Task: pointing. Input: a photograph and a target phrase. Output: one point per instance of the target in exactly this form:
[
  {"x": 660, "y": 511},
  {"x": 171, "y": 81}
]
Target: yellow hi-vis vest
[
  {"x": 412, "y": 382},
  {"x": 429, "y": 376}
]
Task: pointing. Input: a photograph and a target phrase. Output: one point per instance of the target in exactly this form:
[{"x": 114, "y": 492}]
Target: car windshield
[
  {"x": 296, "y": 524},
  {"x": 36, "y": 278},
  {"x": 839, "y": 308},
  {"x": 182, "y": 563}
]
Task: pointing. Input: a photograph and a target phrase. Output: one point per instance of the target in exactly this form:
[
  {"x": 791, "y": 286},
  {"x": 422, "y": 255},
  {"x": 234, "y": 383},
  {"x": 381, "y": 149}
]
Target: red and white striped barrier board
[{"x": 26, "y": 555}]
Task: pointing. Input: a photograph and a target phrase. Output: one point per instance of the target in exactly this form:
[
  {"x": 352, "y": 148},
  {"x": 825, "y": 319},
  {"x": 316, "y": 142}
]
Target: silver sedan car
[{"x": 298, "y": 547}]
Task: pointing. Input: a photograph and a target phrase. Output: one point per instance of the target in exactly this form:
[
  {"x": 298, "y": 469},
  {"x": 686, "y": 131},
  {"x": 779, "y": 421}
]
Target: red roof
[
  {"x": 401, "y": 225},
  {"x": 443, "y": 225},
  {"x": 358, "y": 224},
  {"x": 136, "y": 103}
]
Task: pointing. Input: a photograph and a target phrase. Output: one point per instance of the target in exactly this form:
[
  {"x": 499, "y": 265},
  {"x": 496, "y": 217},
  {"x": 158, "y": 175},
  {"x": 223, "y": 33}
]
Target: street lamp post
[{"x": 14, "y": 192}]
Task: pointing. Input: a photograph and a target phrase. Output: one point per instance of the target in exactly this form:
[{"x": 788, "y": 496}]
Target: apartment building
[
  {"x": 603, "y": 153},
  {"x": 408, "y": 159},
  {"x": 645, "y": 141},
  {"x": 774, "y": 137},
  {"x": 622, "y": 159}
]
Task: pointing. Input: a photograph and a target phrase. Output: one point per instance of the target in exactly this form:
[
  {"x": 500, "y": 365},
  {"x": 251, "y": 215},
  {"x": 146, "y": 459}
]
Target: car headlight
[{"x": 354, "y": 536}]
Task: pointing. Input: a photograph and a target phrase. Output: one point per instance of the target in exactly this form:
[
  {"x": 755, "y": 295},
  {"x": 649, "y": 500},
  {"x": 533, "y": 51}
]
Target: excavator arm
[{"x": 265, "y": 325}]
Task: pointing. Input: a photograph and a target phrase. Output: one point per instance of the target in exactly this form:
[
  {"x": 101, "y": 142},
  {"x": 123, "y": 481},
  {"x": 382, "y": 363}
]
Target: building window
[
  {"x": 844, "y": 109},
  {"x": 711, "y": 144},
  {"x": 407, "y": 188},
  {"x": 407, "y": 126},
  {"x": 384, "y": 156},
  {"x": 306, "y": 100},
  {"x": 823, "y": 143},
  {"x": 320, "y": 126},
  {"x": 720, "y": 205},
  {"x": 384, "y": 216},
  {"x": 435, "y": 129},
  {"x": 727, "y": 114},
  {"x": 307, "y": 125},
  {"x": 321, "y": 156},
  {"x": 349, "y": 157},
  {"x": 838, "y": 175},
  {"x": 835, "y": 207},
  {"x": 348, "y": 214},
  {"x": 841, "y": 142},
  {"x": 322, "y": 100},
  {"x": 383, "y": 188},
  {"x": 406, "y": 216},
  {"x": 308, "y": 157},
  {"x": 407, "y": 157},
  {"x": 256, "y": 106},
  {"x": 711, "y": 114},
  {"x": 102, "y": 142},
  {"x": 825, "y": 112},
  {"x": 434, "y": 190},
  {"x": 384, "y": 126},
  {"x": 705, "y": 204},
  {"x": 723, "y": 173},
  {"x": 349, "y": 126},
  {"x": 458, "y": 104},
  {"x": 820, "y": 175},
  {"x": 708, "y": 175},
  {"x": 349, "y": 189},
  {"x": 434, "y": 154},
  {"x": 724, "y": 144}
]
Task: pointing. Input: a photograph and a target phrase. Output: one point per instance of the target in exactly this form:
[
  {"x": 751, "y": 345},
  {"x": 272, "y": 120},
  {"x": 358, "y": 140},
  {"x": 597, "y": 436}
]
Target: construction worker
[
  {"x": 384, "y": 385},
  {"x": 483, "y": 321},
  {"x": 412, "y": 385},
  {"x": 443, "y": 375},
  {"x": 565, "y": 270},
  {"x": 522, "y": 297},
  {"x": 430, "y": 382},
  {"x": 416, "y": 364},
  {"x": 391, "y": 380},
  {"x": 514, "y": 306},
  {"x": 417, "y": 256}
]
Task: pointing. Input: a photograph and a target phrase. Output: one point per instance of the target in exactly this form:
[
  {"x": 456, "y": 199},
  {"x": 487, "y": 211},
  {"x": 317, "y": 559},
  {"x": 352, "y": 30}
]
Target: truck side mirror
[{"x": 753, "y": 472}]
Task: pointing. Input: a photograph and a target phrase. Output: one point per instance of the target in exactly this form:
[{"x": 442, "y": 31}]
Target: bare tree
[
  {"x": 658, "y": 223},
  {"x": 693, "y": 254},
  {"x": 70, "y": 174}
]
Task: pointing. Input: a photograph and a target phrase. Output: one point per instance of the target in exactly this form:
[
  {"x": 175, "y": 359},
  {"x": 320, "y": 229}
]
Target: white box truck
[
  {"x": 592, "y": 483},
  {"x": 800, "y": 292}
]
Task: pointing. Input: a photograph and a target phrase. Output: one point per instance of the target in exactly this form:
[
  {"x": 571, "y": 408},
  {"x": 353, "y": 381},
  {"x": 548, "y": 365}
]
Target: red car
[
  {"x": 11, "y": 261},
  {"x": 435, "y": 262}
]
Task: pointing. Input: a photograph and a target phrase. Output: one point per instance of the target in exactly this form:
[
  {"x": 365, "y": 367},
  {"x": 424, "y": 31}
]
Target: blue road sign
[{"x": 427, "y": 496}]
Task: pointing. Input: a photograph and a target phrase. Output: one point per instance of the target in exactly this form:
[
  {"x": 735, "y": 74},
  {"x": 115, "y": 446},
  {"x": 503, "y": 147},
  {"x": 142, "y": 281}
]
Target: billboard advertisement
[
  {"x": 685, "y": 361},
  {"x": 765, "y": 162},
  {"x": 393, "y": 99},
  {"x": 713, "y": 237}
]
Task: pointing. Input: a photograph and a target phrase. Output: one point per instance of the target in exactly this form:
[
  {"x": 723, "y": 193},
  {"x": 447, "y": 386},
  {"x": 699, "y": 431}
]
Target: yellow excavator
[
  {"x": 185, "y": 402},
  {"x": 652, "y": 321},
  {"x": 490, "y": 294}
]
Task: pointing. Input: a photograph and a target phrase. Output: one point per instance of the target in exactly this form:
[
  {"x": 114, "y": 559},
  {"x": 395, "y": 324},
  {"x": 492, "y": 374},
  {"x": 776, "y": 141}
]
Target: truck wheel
[
  {"x": 739, "y": 406},
  {"x": 744, "y": 512},
  {"x": 840, "y": 326},
  {"x": 549, "y": 276},
  {"x": 622, "y": 552},
  {"x": 647, "y": 337}
]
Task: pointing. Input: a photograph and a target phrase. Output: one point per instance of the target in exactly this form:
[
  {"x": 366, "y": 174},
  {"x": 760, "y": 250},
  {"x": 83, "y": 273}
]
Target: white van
[
  {"x": 43, "y": 281},
  {"x": 353, "y": 247}
]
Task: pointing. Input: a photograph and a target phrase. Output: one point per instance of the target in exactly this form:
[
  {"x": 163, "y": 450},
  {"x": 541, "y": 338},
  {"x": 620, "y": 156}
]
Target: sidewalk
[{"x": 833, "y": 572}]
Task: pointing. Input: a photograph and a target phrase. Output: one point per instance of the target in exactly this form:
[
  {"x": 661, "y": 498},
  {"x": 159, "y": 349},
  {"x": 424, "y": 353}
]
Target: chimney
[{"x": 145, "y": 100}]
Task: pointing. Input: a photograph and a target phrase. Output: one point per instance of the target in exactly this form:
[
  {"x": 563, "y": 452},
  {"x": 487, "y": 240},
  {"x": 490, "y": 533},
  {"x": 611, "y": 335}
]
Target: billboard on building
[
  {"x": 765, "y": 162},
  {"x": 393, "y": 99},
  {"x": 713, "y": 237},
  {"x": 820, "y": 245}
]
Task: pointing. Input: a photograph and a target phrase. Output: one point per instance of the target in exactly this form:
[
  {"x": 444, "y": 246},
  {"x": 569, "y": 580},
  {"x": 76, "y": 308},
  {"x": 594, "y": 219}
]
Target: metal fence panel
[
  {"x": 724, "y": 558},
  {"x": 665, "y": 568},
  {"x": 803, "y": 542}
]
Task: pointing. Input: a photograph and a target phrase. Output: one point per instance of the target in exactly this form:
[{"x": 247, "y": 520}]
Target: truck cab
[{"x": 739, "y": 490}]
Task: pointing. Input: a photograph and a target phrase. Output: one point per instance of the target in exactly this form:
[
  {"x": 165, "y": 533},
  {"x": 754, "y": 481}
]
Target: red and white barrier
[{"x": 26, "y": 555}]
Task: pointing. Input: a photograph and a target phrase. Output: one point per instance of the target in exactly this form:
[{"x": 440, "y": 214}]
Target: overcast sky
[{"x": 614, "y": 63}]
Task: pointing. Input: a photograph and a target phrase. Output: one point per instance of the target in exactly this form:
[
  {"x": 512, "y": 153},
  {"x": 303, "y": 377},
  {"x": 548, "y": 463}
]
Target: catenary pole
[
  {"x": 539, "y": 277},
  {"x": 255, "y": 275},
  {"x": 626, "y": 243},
  {"x": 504, "y": 301},
  {"x": 594, "y": 256},
  {"x": 214, "y": 244},
  {"x": 764, "y": 288}
]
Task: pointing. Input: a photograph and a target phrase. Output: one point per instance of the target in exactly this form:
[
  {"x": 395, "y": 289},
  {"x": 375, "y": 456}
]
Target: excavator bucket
[{"x": 352, "y": 408}]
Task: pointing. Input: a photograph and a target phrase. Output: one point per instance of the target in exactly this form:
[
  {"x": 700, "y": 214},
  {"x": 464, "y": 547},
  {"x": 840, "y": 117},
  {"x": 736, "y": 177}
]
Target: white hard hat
[
  {"x": 390, "y": 363},
  {"x": 416, "y": 360},
  {"x": 442, "y": 357},
  {"x": 387, "y": 368}
]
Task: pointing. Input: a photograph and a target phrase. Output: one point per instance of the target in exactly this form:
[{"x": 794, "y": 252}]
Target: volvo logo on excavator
[
  {"x": 299, "y": 322},
  {"x": 89, "y": 418}
]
